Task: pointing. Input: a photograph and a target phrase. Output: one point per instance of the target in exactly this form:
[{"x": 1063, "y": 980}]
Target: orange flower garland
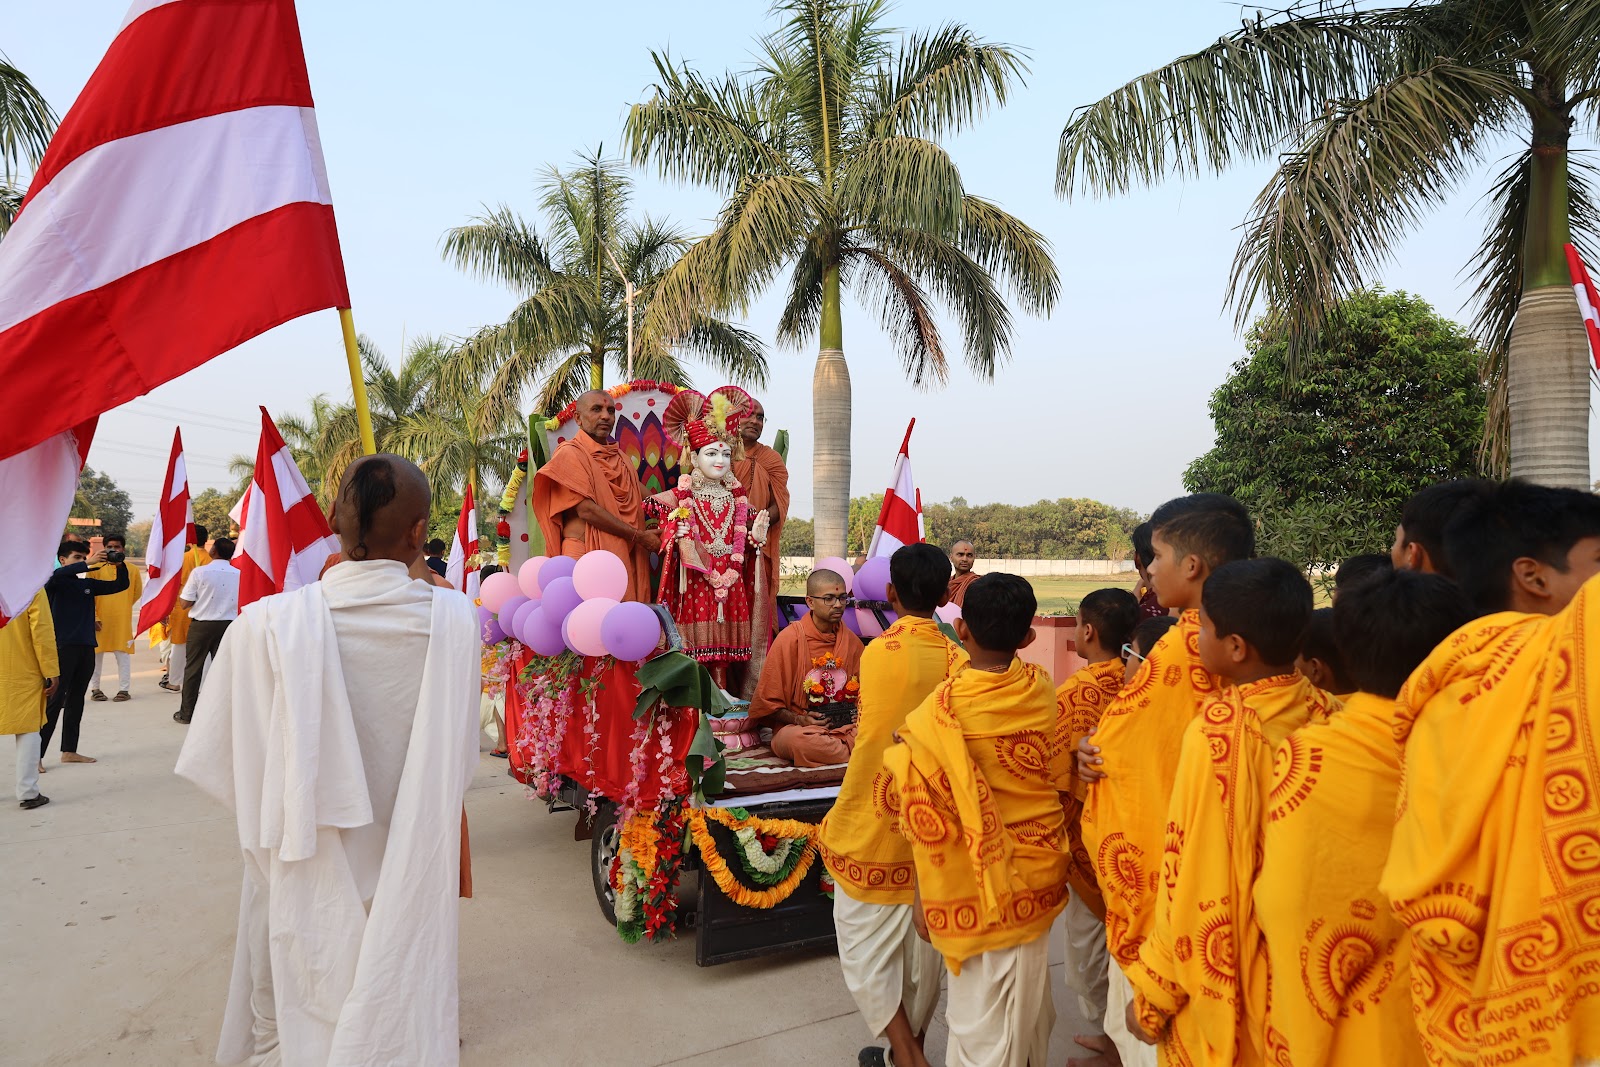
[{"x": 736, "y": 891}]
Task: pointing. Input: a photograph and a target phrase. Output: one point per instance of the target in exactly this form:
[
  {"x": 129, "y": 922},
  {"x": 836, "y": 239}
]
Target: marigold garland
[{"x": 717, "y": 866}]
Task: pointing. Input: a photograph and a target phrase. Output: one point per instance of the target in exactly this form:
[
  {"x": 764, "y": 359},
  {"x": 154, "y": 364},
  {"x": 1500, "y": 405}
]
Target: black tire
[{"x": 602, "y": 851}]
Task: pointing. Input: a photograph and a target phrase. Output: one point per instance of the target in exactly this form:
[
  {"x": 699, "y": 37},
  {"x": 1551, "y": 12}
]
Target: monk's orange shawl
[
  {"x": 957, "y": 590},
  {"x": 970, "y": 783},
  {"x": 1340, "y": 963},
  {"x": 788, "y": 660},
  {"x": 766, "y": 485},
  {"x": 1125, "y": 814},
  {"x": 859, "y": 843},
  {"x": 584, "y": 469},
  {"x": 1080, "y": 702},
  {"x": 1495, "y": 864},
  {"x": 1198, "y": 981}
]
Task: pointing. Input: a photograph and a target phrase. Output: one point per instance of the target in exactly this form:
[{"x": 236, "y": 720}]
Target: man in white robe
[{"x": 332, "y": 714}]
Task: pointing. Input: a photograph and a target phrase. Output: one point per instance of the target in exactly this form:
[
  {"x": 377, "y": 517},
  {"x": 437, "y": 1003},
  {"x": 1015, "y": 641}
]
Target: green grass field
[{"x": 1057, "y": 596}]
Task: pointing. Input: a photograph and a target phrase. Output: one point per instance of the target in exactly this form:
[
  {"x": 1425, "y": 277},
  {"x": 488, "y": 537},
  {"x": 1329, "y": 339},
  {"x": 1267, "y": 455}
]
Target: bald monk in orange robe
[
  {"x": 588, "y": 497},
  {"x": 962, "y": 557},
  {"x": 766, "y": 484},
  {"x": 799, "y": 734}
]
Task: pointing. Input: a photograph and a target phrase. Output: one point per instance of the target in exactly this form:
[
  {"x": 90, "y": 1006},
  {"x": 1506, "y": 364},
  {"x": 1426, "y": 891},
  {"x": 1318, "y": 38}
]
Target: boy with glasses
[{"x": 818, "y": 648}]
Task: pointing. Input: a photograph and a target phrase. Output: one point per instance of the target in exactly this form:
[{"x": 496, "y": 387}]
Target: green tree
[
  {"x": 98, "y": 497},
  {"x": 211, "y": 507},
  {"x": 26, "y": 123},
  {"x": 1386, "y": 401},
  {"x": 1384, "y": 112},
  {"x": 573, "y": 314},
  {"x": 828, "y": 153},
  {"x": 797, "y": 538},
  {"x": 864, "y": 512}
]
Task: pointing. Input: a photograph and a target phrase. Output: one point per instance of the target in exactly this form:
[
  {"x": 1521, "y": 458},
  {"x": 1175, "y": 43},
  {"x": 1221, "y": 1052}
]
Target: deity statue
[{"x": 707, "y": 533}]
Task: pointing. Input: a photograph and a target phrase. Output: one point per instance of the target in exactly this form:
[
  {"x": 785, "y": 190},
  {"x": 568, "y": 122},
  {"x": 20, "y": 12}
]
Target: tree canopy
[{"x": 99, "y": 497}]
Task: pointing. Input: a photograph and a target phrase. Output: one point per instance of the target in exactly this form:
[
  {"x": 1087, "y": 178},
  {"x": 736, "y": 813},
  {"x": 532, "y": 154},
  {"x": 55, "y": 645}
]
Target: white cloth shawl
[{"x": 273, "y": 738}]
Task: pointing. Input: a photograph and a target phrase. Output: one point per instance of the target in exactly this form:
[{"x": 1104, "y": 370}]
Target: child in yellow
[
  {"x": 1131, "y": 759},
  {"x": 1199, "y": 989},
  {"x": 1106, "y": 621},
  {"x": 971, "y": 775},
  {"x": 1321, "y": 660},
  {"x": 1339, "y": 961},
  {"x": 893, "y": 974}
]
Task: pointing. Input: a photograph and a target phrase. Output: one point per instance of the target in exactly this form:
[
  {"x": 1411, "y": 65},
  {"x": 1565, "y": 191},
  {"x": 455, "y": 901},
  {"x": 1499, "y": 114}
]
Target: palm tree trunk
[{"x": 830, "y": 422}]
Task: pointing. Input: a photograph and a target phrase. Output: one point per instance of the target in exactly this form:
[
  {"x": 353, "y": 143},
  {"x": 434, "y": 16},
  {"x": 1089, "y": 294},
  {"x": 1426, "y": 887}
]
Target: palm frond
[
  {"x": 961, "y": 283},
  {"x": 941, "y": 82},
  {"x": 500, "y": 247},
  {"x": 813, "y": 63},
  {"x": 901, "y": 181},
  {"x": 761, "y": 228},
  {"x": 11, "y": 197},
  {"x": 802, "y": 311},
  {"x": 904, "y": 311},
  {"x": 701, "y": 131},
  {"x": 27, "y": 121},
  {"x": 736, "y": 353},
  {"x": 1011, "y": 250}
]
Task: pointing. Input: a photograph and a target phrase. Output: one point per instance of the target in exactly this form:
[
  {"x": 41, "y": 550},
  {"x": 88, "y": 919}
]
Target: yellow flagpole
[{"x": 358, "y": 383}]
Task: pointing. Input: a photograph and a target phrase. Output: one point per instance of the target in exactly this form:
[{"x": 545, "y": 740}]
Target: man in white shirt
[{"x": 211, "y": 596}]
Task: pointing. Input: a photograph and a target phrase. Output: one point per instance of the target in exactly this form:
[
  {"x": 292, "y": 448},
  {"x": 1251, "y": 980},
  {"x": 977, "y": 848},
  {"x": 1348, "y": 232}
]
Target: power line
[{"x": 190, "y": 418}]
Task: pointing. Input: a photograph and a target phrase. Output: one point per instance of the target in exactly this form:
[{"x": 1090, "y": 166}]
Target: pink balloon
[
  {"x": 600, "y": 575},
  {"x": 585, "y": 624},
  {"x": 528, "y": 577},
  {"x": 867, "y": 623},
  {"x": 497, "y": 589},
  {"x": 948, "y": 613},
  {"x": 839, "y": 567}
]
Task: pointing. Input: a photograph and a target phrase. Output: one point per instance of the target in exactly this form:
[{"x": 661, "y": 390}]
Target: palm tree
[
  {"x": 26, "y": 124},
  {"x": 310, "y": 443},
  {"x": 1374, "y": 116},
  {"x": 394, "y": 396},
  {"x": 828, "y": 154},
  {"x": 456, "y": 439},
  {"x": 573, "y": 314}
]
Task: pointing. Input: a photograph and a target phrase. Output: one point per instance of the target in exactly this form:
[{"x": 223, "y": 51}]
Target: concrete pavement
[{"x": 120, "y": 899}]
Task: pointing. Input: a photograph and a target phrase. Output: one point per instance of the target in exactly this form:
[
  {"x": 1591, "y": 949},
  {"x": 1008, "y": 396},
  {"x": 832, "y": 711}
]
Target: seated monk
[
  {"x": 781, "y": 704},
  {"x": 588, "y": 497}
]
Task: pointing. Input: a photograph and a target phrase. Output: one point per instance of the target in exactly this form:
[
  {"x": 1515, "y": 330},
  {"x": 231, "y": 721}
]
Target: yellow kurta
[
  {"x": 1340, "y": 962},
  {"x": 970, "y": 780},
  {"x": 27, "y": 658},
  {"x": 1080, "y": 702},
  {"x": 115, "y": 612},
  {"x": 1125, "y": 815},
  {"x": 178, "y": 631},
  {"x": 1198, "y": 980},
  {"x": 860, "y": 846},
  {"x": 1495, "y": 864}
]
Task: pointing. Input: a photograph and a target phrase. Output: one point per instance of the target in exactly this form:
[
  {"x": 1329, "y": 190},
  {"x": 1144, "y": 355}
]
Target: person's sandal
[
  {"x": 34, "y": 802},
  {"x": 95, "y": 694},
  {"x": 120, "y": 697},
  {"x": 169, "y": 687}
]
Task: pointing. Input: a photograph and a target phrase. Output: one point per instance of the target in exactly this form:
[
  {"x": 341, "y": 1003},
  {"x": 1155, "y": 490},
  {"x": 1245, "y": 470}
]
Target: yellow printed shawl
[
  {"x": 971, "y": 784},
  {"x": 1197, "y": 979},
  {"x": 1080, "y": 702},
  {"x": 1339, "y": 961},
  {"x": 1495, "y": 864},
  {"x": 1125, "y": 815},
  {"x": 859, "y": 843}
]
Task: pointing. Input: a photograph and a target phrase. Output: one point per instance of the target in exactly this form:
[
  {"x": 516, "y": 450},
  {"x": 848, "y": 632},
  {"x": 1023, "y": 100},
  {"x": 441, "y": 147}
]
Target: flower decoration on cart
[{"x": 827, "y": 682}]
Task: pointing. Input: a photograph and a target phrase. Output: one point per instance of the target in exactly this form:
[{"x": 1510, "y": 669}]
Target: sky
[{"x": 430, "y": 111}]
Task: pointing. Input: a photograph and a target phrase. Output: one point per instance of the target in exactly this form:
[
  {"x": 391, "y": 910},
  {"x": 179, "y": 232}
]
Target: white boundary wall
[{"x": 1026, "y": 568}]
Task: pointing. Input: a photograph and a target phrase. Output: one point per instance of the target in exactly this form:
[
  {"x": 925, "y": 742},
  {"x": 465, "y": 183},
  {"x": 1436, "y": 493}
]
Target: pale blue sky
[{"x": 429, "y": 110}]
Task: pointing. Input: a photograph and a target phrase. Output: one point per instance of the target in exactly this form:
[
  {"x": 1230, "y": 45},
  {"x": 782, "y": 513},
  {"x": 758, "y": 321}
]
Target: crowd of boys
[{"x": 1361, "y": 835}]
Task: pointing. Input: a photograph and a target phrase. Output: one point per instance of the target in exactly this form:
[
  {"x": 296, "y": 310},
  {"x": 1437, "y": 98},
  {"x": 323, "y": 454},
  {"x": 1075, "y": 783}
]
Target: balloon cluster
[
  {"x": 871, "y": 582},
  {"x": 559, "y": 604}
]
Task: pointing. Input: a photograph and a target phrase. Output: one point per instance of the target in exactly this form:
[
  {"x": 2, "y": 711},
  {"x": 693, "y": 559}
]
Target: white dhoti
[
  {"x": 886, "y": 965},
  {"x": 1000, "y": 1009},
  {"x": 1087, "y": 961},
  {"x": 1119, "y": 994}
]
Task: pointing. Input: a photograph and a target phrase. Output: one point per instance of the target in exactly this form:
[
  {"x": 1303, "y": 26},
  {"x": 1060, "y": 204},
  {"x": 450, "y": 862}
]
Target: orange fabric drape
[
  {"x": 766, "y": 484},
  {"x": 790, "y": 658},
  {"x": 1080, "y": 701},
  {"x": 584, "y": 469},
  {"x": 957, "y": 592}
]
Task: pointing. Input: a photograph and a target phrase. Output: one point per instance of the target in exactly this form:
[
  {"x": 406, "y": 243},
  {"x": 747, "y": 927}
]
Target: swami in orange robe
[
  {"x": 766, "y": 484},
  {"x": 585, "y": 469},
  {"x": 1495, "y": 862},
  {"x": 781, "y": 688}
]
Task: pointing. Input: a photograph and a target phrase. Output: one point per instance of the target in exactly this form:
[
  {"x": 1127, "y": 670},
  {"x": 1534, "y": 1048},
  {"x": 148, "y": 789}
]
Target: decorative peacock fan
[
  {"x": 640, "y": 432},
  {"x": 724, "y": 410}
]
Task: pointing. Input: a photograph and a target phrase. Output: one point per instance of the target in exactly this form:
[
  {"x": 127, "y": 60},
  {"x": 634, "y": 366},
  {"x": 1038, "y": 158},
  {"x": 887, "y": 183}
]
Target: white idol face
[{"x": 713, "y": 461}]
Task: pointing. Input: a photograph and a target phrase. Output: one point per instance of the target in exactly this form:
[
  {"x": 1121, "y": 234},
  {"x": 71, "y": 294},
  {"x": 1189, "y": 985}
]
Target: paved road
[{"x": 120, "y": 897}]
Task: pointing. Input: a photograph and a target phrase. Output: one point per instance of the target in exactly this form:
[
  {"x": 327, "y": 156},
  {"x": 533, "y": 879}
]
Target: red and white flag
[
  {"x": 461, "y": 568},
  {"x": 1588, "y": 301},
  {"x": 171, "y": 533},
  {"x": 181, "y": 209},
  {"x": 900, "y": 521},
  {"x": 284, "y": 539}
]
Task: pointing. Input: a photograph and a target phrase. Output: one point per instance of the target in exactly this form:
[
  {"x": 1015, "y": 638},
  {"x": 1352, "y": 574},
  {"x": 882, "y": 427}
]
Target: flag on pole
[
  {"x": 170, "y": 534},
  {"x": 185, "y": 186},
  {"x": 900, "y": 521},
  {"x": 284, "y": 539},
  {"x": 461, "y": 569},
  {"x": 1588, "y": 301}
]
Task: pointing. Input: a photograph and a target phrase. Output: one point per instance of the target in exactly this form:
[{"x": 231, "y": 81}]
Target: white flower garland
[{"x": 757, "y": 857}]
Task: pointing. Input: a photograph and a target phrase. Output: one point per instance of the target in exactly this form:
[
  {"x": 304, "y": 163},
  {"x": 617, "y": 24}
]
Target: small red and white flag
[
  {"x": 461, "y": 568},
  {"x": 284, "y": 539},
  {"x": 171, "y": 533},
  {"x": 1588, "y": 301},
  {"x": 185, "y": 185},
  {"x": 900, "y": 521}
]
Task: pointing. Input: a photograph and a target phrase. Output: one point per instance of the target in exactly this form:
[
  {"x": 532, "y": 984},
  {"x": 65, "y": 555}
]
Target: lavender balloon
[
  {"x": 555, "y": 567},
  {"x": 872, "y": 580},
  {"x": 544, "y": 633},
  {"x": 519, "y": 621},
  {"x": 492, "y": 633},
  {"x": 560, "y": 597},
  {"x": 508, "y": 612},
  {"x": 631, "y": 631}
]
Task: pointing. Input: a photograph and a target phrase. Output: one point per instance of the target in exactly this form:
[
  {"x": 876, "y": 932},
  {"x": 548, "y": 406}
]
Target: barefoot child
[{"x": 970, "y": 780}]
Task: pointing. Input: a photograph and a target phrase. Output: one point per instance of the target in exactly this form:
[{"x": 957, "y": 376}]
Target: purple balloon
[
  {"x": 484, "y": 615},
  {"x": 631, "y": 631},
  {"x": 556, "y": 567},
  {"x": 519, "y": 621},
  {"x": 492, "y": 633},
  {"x": 850, "y": 622},
  {"x": 872, "y": 580},
  {"x": 544, "y": 633},
  {"x": 508, "y": 612},
  {"x": 560, "y": 596}
]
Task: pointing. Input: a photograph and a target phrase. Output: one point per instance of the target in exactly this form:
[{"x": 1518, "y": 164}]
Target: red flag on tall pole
[
  {"x": 461, "y": 568},
  {"x": 1588, "y": 301},
  {"x": 181, "y": 209},
  {"x": 284, "y": 539},
  {"x": 900, "y": 520},
  {"x": 170, "y": 535}
]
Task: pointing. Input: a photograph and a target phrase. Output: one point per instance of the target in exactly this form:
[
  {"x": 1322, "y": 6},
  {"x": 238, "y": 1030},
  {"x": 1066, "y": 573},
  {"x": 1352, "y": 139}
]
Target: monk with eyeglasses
[{"x": 819, "y": 648}]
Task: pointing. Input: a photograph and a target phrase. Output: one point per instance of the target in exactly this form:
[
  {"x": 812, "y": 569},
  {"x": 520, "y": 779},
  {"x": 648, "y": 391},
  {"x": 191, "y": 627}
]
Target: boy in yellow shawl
[
  {"x": 894, "y": 975},
  {"x": 1199, "y": 989},
  {"x": 970, "y": 779},
  {"x": 1339, "y": 961},
  {"x": 29, "y": 674},
  {"x": 113, "y": 619},
  {"x": 1131, "y": 759},
  {"x": 1495, "y": 863},
  {"x": 1106, "y": 621},
  {"x": 178, "y": 618}
]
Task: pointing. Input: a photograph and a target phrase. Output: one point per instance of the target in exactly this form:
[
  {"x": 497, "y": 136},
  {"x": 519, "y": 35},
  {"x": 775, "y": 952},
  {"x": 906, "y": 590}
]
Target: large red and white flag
[
  {"x": 171, "y": 533},
  {"x": 181, "y": 209},
  {"x": 900, "y": 520},
  {"x": 284, "y": 539},
  {"x": 461, "y": 568},
  {"x": 1588, "y": 301}
]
